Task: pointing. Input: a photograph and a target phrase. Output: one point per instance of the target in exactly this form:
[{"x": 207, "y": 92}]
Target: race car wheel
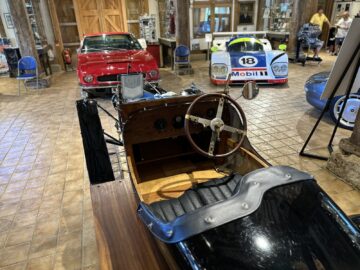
[
  {"x": 348, "y": 118},
  {"x": 216, "y": 125}
]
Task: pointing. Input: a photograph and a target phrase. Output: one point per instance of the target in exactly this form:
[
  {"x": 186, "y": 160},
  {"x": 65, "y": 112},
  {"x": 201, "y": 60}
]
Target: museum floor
[{"x": 46, "y": 217}]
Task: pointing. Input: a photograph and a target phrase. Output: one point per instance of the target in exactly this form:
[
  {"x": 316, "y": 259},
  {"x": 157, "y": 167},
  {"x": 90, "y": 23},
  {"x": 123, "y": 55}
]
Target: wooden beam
[
  {"x": 2, "y": 29},
  {"x": 182, "y": 22},
  {"x": 39, "y": 20},
  {"x": 59, "y": 45},
  {"x": 23, "y": 31},
  {"x": 301, "y": 13}
]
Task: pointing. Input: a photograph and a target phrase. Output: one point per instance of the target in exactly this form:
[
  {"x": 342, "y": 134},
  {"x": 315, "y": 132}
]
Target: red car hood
[{"x": 100, "y": 63}]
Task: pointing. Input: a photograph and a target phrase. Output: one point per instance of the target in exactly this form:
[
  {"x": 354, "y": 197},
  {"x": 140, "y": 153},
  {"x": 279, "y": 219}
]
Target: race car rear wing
[
  {"x": 219, "y": 39},
  {"x": 261, "y": 34}
]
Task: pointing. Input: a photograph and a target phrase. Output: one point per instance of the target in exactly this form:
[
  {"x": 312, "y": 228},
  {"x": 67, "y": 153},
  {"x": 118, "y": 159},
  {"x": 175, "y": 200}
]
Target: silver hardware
[
  {"x": 245, "y": 206},
  {"x": 209, "y": 220},
  {"x": 169, "y": 233}
]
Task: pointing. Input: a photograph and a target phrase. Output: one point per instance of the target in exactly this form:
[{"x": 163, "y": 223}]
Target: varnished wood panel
[
  {"x": 123, "y": 241},
  {"x": 95, "y": 16}
]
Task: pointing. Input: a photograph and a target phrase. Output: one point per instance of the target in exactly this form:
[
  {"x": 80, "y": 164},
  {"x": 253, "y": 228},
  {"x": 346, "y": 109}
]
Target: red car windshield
[{"x": 110, "y": 42}]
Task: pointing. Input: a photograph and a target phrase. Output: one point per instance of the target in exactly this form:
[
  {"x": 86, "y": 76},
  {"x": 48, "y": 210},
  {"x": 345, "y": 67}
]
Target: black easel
[{"x": 348, "y": 91}]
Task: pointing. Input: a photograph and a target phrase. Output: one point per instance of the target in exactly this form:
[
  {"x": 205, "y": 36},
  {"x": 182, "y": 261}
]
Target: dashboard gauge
[
  {"x": 211, "y": 113},
  {"x": 160, "y": 124},
  {"x": 178, "y": 121}
]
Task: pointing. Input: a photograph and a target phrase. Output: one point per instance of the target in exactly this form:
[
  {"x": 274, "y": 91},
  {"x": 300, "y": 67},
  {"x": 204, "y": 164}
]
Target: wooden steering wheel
[{"x": 217, "y": 125}]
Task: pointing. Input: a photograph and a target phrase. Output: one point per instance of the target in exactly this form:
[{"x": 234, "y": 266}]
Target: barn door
[
  {"x": 96, "y": 16},
  {"x": 113, "y": 15}
]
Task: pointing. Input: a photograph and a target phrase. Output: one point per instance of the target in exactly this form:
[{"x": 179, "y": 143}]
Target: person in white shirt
[{"x": 343, "y": 26}]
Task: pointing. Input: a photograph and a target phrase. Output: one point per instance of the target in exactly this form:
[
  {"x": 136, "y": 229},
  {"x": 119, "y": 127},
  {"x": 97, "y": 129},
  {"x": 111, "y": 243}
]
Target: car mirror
[
  {"x": 250, "y": 90},
  {"x": 142, "y": 42}
]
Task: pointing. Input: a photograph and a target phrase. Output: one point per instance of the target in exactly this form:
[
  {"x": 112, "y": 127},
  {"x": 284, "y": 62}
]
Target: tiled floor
[{"x": 45, "y": 208}]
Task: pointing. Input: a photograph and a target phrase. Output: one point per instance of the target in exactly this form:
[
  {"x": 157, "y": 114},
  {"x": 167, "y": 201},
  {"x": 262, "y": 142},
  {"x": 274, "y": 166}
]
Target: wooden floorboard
[{"x": 123, "y": 241}]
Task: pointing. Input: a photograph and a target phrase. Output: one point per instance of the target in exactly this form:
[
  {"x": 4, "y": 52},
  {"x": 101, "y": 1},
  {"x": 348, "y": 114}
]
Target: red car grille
[{"x": 108, "y": 78}]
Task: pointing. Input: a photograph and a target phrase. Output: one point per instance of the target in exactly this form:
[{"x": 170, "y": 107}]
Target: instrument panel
[{"x": 164, "y": 122}]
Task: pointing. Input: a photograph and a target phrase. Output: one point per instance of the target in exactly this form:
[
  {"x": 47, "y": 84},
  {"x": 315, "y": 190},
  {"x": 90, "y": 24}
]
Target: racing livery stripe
[
  {"x": 249, "y": 69},
  {"x": 276, "y": 57}
]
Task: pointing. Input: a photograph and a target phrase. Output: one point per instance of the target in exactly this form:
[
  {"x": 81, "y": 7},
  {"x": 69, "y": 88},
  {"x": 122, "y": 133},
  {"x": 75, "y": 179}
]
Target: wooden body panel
[{"x": 123, "y": 241}]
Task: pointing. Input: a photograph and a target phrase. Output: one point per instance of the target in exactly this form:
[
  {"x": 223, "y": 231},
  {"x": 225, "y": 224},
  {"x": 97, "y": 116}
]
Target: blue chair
[
  {"x": 182, "y": 58},
  {"x": 27, "y": 70}
]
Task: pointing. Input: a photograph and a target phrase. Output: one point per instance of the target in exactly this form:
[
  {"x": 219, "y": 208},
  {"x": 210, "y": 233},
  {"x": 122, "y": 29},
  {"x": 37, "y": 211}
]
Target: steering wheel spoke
[
  {"x": 234, "y": 130},
  {"x": 214, "y": 138},
  {"x": 220, "y": 107},
  {"x": 197, "y": 119}
]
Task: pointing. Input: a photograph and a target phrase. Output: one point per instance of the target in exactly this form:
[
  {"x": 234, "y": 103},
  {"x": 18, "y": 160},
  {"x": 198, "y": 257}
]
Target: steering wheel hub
[{"x": 217, "y": 124}]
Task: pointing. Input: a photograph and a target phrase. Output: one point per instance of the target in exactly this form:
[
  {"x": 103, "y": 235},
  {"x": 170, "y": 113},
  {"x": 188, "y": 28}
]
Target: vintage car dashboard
[
  {"x": 154, "y": 135},
  {"x": 163, "y": 122}
]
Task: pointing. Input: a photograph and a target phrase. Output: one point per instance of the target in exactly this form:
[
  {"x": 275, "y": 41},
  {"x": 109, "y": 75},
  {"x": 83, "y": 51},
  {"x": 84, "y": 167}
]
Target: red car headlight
[
  {"x": 88, "y": 78},
  {"x": 153, "y": 73}
]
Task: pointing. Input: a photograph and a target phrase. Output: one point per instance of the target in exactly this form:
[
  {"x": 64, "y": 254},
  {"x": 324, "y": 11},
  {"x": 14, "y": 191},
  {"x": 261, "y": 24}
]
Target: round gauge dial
[
  {"x": 160, "y": 124},
  {"x": 178, "y": 121},
  {"x": 211, "y": 113}
]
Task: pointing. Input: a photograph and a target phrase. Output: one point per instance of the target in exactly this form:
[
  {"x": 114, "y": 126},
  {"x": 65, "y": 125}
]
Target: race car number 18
[{"x": 248, "y": 61}]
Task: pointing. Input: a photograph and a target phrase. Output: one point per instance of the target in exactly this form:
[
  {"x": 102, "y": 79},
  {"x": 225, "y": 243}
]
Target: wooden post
[
  {"x": 2, "y": 29},
  {"x": 182, "y": 22},
  {"x": 355, "y": 136},
  {"x": 24, "y": 33},
  {"x": 302, "y": 12},
  {"x": 59, "y": 46}
]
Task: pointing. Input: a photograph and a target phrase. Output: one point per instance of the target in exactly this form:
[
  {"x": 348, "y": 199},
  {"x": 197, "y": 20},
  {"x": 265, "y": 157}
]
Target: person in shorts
[{"x": 343, "y": 26}]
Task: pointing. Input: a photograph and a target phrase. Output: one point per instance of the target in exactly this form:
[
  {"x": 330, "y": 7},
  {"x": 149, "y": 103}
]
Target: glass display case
[
  {"x": 32, "y": 20},
  {"x": 277, "y": 15}
]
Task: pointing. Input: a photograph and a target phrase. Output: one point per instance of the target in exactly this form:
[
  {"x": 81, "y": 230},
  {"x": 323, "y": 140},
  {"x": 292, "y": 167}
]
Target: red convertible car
[{"x": 103, "y": 57}]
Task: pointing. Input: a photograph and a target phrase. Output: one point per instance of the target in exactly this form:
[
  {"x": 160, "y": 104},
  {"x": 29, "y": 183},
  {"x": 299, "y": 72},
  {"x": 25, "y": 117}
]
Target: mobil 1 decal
[{"x": 248, "y": 61}]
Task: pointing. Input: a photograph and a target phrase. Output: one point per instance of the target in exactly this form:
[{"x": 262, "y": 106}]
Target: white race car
[{"x": 247, "y": 59}]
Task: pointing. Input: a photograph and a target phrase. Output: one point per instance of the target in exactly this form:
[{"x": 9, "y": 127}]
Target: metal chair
[
  {"x": 182, "y": 58},
  {"x": 26, "y": 67}
]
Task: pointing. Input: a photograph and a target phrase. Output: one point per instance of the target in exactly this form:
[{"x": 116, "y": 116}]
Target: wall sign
[{"x": 8, "y": 20}]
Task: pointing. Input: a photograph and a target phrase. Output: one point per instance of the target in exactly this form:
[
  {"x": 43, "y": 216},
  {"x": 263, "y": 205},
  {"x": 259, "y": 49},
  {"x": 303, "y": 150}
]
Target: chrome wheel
[{"x": 349, "y": 115}]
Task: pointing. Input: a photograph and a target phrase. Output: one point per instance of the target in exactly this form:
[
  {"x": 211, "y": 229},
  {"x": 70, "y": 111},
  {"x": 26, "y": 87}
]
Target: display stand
[{"x": 341, "y": 82}]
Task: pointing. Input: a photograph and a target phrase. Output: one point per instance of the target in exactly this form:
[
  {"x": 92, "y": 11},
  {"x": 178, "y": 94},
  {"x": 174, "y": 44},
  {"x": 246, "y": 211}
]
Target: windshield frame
[
  {"x": 250, "y": 46},
  {"x": 135, "y": 45}
]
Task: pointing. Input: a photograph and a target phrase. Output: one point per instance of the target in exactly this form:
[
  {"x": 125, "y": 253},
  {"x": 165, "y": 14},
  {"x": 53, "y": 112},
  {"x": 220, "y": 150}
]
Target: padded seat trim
[
  {"x": 247, "y": 198},
  {"x": 210, "y": 192}
]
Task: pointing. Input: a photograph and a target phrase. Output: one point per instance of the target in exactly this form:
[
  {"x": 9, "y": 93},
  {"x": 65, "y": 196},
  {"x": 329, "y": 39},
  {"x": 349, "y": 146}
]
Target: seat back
[
  {"x": 27, "y": 63},
  {"x": 181, "y": 54}
]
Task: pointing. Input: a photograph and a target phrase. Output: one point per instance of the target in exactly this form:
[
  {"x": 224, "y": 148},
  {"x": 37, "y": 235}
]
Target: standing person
[
  {"x": 319, "y": 18},
  {"x": 343, "y": 26}
]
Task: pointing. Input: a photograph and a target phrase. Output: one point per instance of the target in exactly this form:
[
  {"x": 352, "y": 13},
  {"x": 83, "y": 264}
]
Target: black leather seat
[{"x": 198, "y": 196}]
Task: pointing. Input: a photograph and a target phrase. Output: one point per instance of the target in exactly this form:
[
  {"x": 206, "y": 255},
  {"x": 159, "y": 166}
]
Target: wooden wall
[{"x": 135, "y": 9}]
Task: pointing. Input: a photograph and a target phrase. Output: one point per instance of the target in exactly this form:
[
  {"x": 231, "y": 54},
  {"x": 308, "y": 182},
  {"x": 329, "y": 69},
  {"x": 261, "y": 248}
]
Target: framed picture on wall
[
  {"x": 246, "y": 12},
  {"x": 9, "y": 21}
]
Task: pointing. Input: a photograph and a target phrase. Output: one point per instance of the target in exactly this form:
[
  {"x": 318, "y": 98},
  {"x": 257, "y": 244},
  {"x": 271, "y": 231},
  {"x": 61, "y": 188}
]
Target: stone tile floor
[{"x": 46, "y": 219}]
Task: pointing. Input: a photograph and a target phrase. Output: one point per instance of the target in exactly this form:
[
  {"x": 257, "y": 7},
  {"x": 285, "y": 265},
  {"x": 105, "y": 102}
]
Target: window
[
  {"x": 209, "y": 18},
  {"x": 201, "y": 21},
  {"x": 222, "y": 19}
]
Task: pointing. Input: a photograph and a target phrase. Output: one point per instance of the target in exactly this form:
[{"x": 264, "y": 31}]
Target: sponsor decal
[
  {"x": 248, "y": 61},
  {"x": 249, "y": 73}
]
